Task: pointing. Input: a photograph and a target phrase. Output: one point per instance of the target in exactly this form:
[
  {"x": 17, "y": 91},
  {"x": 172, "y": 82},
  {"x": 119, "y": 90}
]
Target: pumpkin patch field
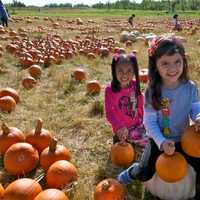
[{"x": 53, "y": 70}]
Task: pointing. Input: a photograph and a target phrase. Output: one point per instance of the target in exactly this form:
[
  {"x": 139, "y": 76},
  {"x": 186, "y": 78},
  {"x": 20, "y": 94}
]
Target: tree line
[{"x": 169, "y": 5}]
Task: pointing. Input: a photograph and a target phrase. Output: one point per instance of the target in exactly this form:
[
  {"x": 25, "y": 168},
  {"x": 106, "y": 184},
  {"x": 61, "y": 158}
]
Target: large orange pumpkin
[
  {"x": 171, "y": 168},
  {"x": 7, "y": 104},
  {"x": 53, "y": 153},
  {"x": 93, "y": 87},
  {"x": 20, "y": 158},
  {"x": 29, "y": 82},
  {"x": 9, "y": 92},
  {"x": 51, "y": 194},
  {"x": 122, "y": 154},
  {"x": 9, "y": 136},
  {"x": 22, "y": 189},
  {"x": 61, "y": 173},
  {"x": 39, "y": 137},
  {"x": 190, "y": 142},
  {"x": 109, "y": 189}
]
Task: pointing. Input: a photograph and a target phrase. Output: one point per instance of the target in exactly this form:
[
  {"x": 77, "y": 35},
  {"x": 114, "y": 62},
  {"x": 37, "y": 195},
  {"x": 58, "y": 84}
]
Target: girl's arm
[
  {"x": 195, "y": 108},
  {"x": 111, "y": 113},
  {"x": 152, "y": 127}
]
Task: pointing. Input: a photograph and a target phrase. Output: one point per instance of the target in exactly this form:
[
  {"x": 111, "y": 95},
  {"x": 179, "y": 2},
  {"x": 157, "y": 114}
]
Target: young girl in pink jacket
[{"x": 124, "y": 101}]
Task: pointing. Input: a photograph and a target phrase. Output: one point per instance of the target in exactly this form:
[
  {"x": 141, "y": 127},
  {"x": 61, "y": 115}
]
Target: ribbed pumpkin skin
[
  {"x": 39, "y": 137},
  {"x": 7, "y": 103},
  {"x": 51, "y": 194},
  {"x": 1, "y": 191},
  {"x": 171, "y": 168},
  {"x": 22, "y": 189},
  {"x": 7, "y": 139},
  {"x": 180, "y": 190},
  {"x": 61, "y": 173},
  {"x": 20, "y": 158},
  {"x": 93, "y": 87},
  {"x": 47, "y": 157},
  {"x": 122, "y": 154},
  {"x": 9, "y": 92},
  {"x": 109, "y": 189},
  {"x": 190, "y": 142}
]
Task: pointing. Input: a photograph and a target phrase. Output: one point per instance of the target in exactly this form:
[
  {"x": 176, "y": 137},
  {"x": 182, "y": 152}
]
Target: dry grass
[{"x": 75, "y": 118}]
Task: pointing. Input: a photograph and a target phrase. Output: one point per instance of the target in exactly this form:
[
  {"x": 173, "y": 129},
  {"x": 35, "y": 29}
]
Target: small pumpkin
[
  {"x": 143, "y": 75},
  {"x": 20, "y": 158},
  {"x": 9, "y": 136},
  {"x": 22, "y": 189},
  {"x": 29, "y": 82},
  {"x": 122, "y": 154},
  {"x": 171, "y": 168},
  {"x": 190, "y": 142},
  {"x": 109, "y": 189},
  {"x": 35, "y": 71},
  {"x": 53, "y": 153},
  {"x": 61, "y": 173},
  {"x": 93, "y": 87},
  {"x": 7, "y": 103},
  {"x": 39, "y": 137},
  {"x": 79, "y": 74},
  {"x": 51, "y": 194}
]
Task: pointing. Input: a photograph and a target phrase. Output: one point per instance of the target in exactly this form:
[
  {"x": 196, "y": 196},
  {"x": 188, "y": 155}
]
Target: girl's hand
[
  {"x": 197, "y": 125},
  {"x": 169, "y": 147},
  {"x": 122, "y": 134}
]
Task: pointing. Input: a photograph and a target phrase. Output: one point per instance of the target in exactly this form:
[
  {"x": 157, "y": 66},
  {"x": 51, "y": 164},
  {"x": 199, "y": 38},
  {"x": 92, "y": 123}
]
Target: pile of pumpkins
[{"x": 22, "y": 153}]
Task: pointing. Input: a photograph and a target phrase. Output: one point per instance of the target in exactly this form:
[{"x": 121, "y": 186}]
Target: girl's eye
[{"x": 178, "y": 61}]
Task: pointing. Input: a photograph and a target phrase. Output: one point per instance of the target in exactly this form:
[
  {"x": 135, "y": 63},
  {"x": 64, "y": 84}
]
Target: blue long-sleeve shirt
[
  {"x": 3, "y": 12},
  {"x": 184, "y": 105}
]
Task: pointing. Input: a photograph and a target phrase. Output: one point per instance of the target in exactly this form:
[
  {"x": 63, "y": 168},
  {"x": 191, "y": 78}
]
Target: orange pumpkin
[
  {"x": 39, "y": 137},
  {"x": 9, "y": 92},
  {"x": 35, "y": 71},
  {"x": 190, "y": 142},
  {"x": 9, "y": 136},
  {"x": 143, "y": 75},
  {"x": 7, "y": 103},
  {"x": 79, "y": 74},
  {"x": 29, "y": 82},
  {"x": 1, "y": 191},
  {"x": 93, "y": 87},
  {"x": 171, "y": 168},
  {"x": 53, "y": 153},
  {"x": 22, "y": 189},
  {"x": 122, "y": 154},
  {"x": 109, "y": 189},
  {"x": 61, "y": 173},
  {"x": 20, "y": 158},
  {"x": 51, "y": 194}
]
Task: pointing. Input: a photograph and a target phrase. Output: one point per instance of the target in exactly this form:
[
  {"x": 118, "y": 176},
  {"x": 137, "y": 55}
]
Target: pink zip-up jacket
[{"x": 121, "y": 108}]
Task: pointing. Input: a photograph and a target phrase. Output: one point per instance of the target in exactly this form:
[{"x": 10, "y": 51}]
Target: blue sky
[{"x": 43, "y": 2}]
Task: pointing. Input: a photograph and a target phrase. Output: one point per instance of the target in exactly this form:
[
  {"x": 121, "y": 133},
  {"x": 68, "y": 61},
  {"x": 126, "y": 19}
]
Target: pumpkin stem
[
  {"x": 38, "y": 128},
  {"x": 5, "y": 129},
  {"x": 106, "y": 185},
  {"x": 52, "y": 145}
]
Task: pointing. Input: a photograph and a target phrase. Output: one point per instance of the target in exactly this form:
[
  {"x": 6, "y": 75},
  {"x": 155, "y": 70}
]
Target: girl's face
[
  {"x": 124, "y": 74},
  {"x": 170, "y": 69}
]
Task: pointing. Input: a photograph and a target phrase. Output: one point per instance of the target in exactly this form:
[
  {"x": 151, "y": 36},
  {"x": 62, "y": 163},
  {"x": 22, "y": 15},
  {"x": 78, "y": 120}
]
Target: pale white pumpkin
[{"x": 180, "y": 190}]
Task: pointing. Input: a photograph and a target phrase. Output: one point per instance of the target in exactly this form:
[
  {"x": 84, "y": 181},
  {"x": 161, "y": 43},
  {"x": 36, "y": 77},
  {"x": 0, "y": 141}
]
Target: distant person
[
  {"x": 3, "y": 14},
  {"x": 176, "y": 23},
  {"x": 130, "y": 20}
]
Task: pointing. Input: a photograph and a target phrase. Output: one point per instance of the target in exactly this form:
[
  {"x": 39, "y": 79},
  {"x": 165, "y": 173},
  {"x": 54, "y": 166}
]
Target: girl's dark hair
[
  {"x": 165, "y": 47},
  {"x": 175, "y": 16},
  {"x": 124, "y": 59}
]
